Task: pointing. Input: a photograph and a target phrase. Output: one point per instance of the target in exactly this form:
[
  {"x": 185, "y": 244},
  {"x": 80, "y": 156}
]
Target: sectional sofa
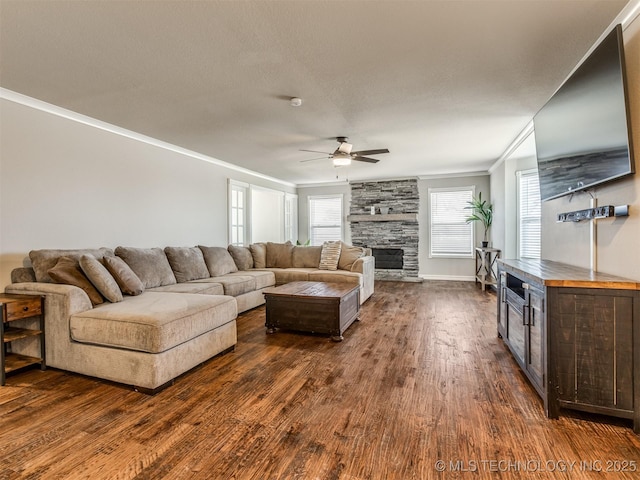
[{"x": 143, "y": 316}]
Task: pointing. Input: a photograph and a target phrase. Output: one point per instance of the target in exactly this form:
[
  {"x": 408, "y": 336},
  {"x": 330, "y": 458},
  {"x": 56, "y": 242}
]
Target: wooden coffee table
[{"x": 315, "y": 307}]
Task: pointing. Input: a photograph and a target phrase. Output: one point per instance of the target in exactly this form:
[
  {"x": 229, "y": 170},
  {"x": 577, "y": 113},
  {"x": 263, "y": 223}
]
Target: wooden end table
[{"x": 315, "y": 307}]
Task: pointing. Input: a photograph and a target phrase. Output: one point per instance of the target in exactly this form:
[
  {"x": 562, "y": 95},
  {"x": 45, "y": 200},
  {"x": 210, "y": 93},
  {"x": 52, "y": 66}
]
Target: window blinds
[
  {"x": 325, "y": 219},
  {"x": 528, "y": 214},
  {"x": 450, "y": 234}
]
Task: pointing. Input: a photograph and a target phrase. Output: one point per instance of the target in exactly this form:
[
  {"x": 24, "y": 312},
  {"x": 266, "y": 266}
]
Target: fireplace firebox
[{"x": 388, "y": 258}]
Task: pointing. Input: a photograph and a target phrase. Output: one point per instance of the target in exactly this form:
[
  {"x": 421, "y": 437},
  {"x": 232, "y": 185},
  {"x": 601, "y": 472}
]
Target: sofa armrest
[
  {"x": 366, "y": 266},
  {"x": 61, "y": 301}
]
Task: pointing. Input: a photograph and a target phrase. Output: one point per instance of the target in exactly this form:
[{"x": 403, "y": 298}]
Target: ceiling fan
[{"x": 343, "y": 154}]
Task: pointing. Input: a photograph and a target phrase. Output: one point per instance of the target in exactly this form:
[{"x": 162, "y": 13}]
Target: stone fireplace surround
[{"x": 397, "y": 229}]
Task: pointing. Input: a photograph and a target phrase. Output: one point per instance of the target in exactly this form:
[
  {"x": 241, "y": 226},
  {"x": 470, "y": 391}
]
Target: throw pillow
[
  {"x": 43, "y": 260},
  {"x": 149, "y": 264},
  {"x": 330, "y": 255},
  {"x": 241, "y": 256},
  {"x": 259, "y": 254},
  {"x": 348, "y": 255},
  {"x": 187, "y": 263},
  {"x": 126, "y": 278},
  {"x": 67, "y": 271},
  {"x": 219, "y": 261},
  {"x": 100, "y": 277},
  {"x": 279, "y": 255},
  {"x": 306, "y": 257}
]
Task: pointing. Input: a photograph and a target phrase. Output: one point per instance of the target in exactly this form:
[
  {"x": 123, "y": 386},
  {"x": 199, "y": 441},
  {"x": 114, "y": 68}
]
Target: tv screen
[{"x": 582, "y": 134}]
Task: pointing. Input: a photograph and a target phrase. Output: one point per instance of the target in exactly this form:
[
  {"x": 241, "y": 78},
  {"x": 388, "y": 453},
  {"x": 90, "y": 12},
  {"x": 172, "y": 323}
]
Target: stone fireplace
[{"x": 394, "y": 233}]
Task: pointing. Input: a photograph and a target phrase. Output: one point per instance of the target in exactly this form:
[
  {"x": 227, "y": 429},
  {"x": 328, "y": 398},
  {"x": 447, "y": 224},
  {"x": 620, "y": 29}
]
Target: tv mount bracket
[{"x": 593, "y": 213}]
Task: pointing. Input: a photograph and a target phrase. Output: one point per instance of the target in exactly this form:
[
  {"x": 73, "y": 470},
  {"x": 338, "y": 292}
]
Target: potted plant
[{"x": 481, "y": 211}]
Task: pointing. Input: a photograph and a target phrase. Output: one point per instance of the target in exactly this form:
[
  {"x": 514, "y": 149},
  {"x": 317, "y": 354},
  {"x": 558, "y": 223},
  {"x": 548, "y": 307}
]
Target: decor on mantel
[
  {"x": 481, "y": 211},
  {"x": 397, "y": 229}
]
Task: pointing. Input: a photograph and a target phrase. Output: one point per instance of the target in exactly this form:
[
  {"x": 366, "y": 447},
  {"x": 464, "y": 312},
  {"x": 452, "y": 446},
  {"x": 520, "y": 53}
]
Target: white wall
[
  {"x": 65, "y": 184},
  {"x": 447, "y": 268},
  {"x": 617, "y": 248}
]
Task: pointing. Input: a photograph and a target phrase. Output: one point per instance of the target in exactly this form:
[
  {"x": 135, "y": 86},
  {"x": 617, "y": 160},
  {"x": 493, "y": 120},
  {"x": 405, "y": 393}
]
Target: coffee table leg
[
  {"x": 271, "y": 330},
  {"x": 337, "y": 338}
]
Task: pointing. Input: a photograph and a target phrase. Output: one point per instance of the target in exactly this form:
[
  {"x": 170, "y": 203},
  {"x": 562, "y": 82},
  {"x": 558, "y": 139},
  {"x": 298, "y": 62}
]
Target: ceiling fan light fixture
[{"x": 341, "y": 161}]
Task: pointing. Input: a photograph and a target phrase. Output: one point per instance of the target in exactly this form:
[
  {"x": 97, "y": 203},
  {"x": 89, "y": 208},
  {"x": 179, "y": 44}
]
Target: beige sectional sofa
[{"x": 143, "y": 316}]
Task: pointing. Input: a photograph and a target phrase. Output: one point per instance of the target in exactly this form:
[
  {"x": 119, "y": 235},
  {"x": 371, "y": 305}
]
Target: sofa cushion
[
  {"x": 149, "y": 264},
  {"x": 126, "y": 278},
  {"x": 259, "y": 254},
  {"x": 67, "y": 271},
  {"x": 241, "y": 256},
  {"x": 100, "y": 277},
  {"x": 219, "y": 261},
  {"x": 306, "y": 257},
  {"x": 43, "y": 260},
  {"x": 330, "y": 255},
  {"x": 337, "y": 276},
  {"x": 187, "y": 263},
  {"x": 153, "y": 322},
  {"x": 279, "y": 255},
  {"x": 233, "y": 285},
  {"x": 191, "y": 287},
  {"x": 348, "y": 255},
  {"x": 287, "y": 275},
  {"x": 263, "y": 278}
]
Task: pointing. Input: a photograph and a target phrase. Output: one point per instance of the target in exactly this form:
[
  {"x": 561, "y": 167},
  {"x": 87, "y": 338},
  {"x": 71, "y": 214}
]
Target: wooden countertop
[{"x": 557, "y": 274}]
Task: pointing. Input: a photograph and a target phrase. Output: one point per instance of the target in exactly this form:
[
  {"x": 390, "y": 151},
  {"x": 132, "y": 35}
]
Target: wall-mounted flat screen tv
[{"x": 583, "y": 134}]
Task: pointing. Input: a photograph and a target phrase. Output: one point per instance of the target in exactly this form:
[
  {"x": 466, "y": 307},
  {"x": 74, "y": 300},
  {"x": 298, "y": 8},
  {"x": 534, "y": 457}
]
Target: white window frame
[
  {"x": 310, "y": 199},
  {"x": 290, "y": 217},
  {"x": 237, "y": 217},
  {"x": 520, "y": 214},
  {"x": 472, "y": 234}
]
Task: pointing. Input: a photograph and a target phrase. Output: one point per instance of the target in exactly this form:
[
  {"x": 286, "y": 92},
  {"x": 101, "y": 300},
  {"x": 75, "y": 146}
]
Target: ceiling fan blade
[
  {"x": 315, "y": 151},
  {"x": 371, "y": 152},
  {"x": 313, "y": 159},
  {"x": 365, "y": 159}
]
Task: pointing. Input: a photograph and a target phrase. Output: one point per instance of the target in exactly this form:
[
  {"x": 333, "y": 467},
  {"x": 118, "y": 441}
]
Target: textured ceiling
[{"x": 446, "y": 86}]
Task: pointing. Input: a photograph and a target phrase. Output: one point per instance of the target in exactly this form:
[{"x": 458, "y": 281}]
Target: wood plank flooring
[{"x": 421, "y": 378}]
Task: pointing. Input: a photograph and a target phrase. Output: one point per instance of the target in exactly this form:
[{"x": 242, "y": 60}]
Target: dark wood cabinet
[{"x": 576, "y": 335}]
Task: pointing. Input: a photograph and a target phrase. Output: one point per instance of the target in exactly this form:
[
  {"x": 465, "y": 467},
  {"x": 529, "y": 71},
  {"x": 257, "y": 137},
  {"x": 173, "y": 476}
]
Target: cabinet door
[
  {"x": 516, "y": 334},
  {"x": 536, "y": 330}
]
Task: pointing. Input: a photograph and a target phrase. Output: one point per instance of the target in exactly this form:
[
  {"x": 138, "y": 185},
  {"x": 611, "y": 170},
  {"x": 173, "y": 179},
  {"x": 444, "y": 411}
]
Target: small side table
[
  {"x": 20, "y": 307},
  {"x": 486, "y": 266}
]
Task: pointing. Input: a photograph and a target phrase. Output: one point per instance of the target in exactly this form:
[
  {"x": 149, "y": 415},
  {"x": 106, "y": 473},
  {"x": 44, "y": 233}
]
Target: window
[
  {"x": 449, "y": 234},
  {"x": 237, "y": 214},
  {"x": 528, "y": 214},
  {"x": 325, "y": 218},
  {"x": 290, "y": 217}
]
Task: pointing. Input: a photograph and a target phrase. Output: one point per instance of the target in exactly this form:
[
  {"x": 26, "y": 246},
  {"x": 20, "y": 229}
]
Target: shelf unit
[{"x": 15, "y": 308}]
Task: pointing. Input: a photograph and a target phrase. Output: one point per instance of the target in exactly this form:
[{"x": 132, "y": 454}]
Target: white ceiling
[{"x": 446, "y": 86}]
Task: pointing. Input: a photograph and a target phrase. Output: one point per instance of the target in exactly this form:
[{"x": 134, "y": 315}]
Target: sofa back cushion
[
  {"x": 279, "y": 255},
  {"x": 219, "y": 261},
  {"x": 43, "y": 260},
  {"x": 348, "y": 255},
  {"x": 259, "y": 254},
  {"x": 241, "y": 256},
  {"x": 126, "y": 278},
  {"x": 306, "y": 257},
  {"x": 67, "y": 271},
  {"x": 149, "y": 264},
  {"x": 187, "y": 263}
]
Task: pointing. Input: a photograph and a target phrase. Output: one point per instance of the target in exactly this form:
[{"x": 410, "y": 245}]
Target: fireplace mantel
[{"x": 391, "y": 217}]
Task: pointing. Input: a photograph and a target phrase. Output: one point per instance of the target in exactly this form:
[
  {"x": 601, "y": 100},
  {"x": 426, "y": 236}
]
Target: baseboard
[{"x": 451, "y": 278}]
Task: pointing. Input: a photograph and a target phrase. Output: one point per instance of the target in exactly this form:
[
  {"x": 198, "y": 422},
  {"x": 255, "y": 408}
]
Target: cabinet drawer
[
  {"x": 515, "y": 300},
  {"x": 23, "y": 309}
]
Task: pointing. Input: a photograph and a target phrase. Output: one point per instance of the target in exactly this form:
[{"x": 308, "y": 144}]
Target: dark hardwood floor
[{"x": 421, "y": 378}]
